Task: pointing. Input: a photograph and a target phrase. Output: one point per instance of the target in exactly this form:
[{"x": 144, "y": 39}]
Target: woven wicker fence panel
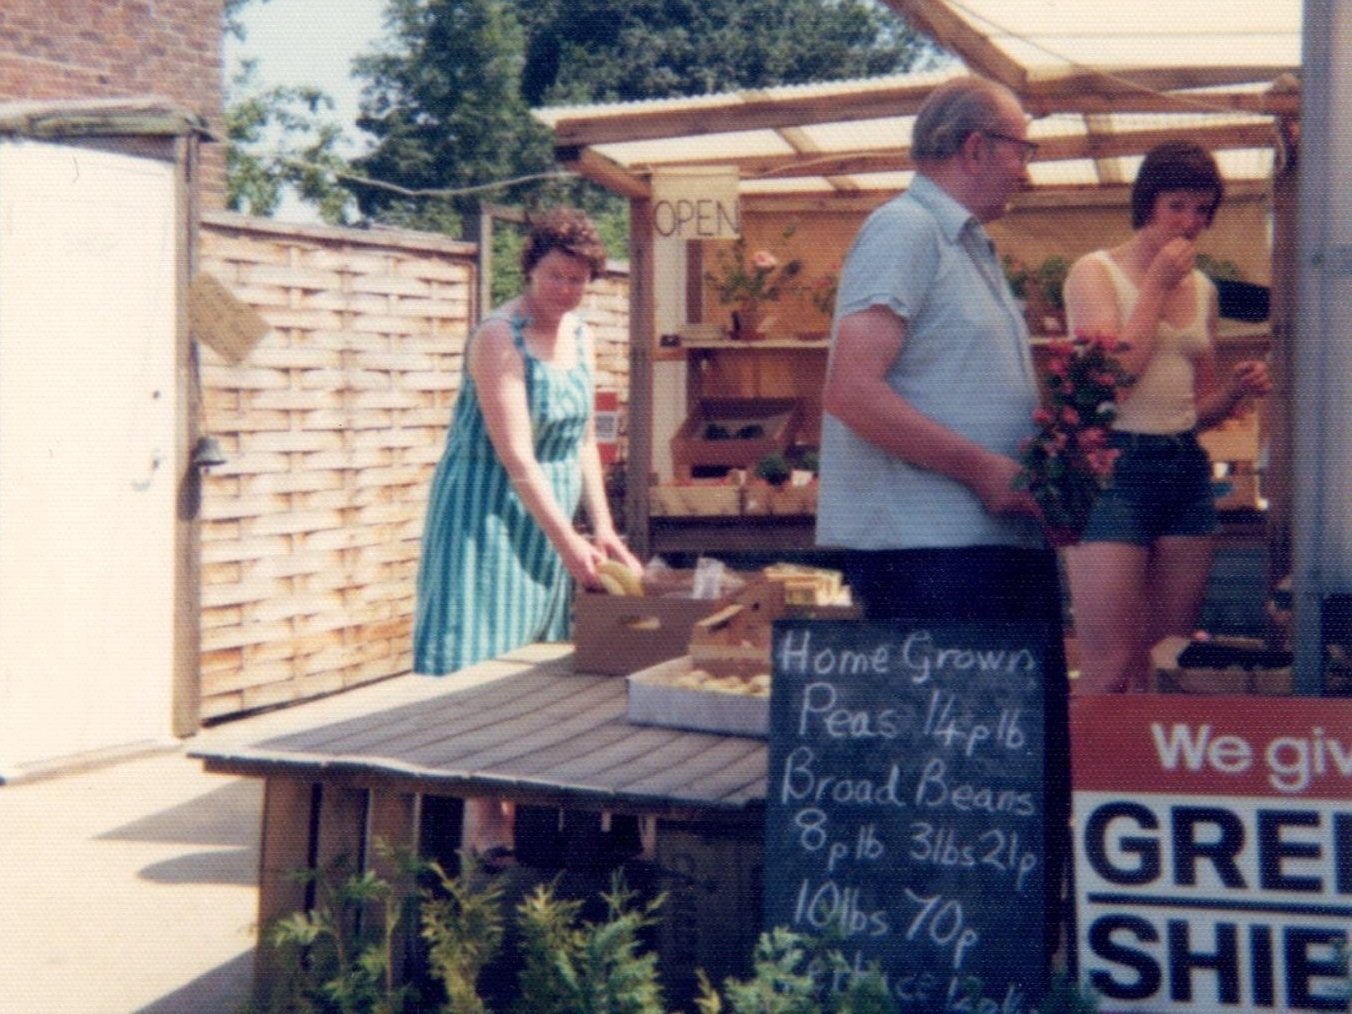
[{"x": 332, "y": 426}]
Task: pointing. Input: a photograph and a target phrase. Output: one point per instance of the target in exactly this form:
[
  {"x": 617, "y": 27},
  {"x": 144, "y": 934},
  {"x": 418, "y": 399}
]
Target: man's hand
[{"x": 994, "y": 484}]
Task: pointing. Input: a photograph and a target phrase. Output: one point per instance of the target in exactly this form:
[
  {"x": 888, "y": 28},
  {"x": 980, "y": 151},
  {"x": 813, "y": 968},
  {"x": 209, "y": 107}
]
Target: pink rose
[
  {"x": 1093, "y": 437},
  {"x": 1069, "y": 416},
  {"x": 1042, "y": 416},
  {"x": 1102, "y": 460},
  {"x": 764, "y": 260}
]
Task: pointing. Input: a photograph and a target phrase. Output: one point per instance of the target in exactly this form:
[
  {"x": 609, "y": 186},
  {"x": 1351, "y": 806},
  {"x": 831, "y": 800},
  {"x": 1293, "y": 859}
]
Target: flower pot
[{"x": 748, "y": 323}]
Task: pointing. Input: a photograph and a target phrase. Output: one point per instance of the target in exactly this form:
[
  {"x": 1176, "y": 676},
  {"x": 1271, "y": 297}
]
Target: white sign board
[
  {"x": 699, "y": 202},
  {"x": 1213, "y": 859}
]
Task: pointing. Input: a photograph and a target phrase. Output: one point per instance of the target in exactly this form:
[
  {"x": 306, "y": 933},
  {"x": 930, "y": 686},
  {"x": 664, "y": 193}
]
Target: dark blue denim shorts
[{"x": 1161, "y": 487}]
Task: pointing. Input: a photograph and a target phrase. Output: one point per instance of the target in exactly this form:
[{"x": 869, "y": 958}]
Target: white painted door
[{"x": 88, "y": 248}]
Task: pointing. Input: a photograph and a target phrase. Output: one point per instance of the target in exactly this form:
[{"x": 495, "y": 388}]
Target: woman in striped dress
[{"x": 500, "y": 550}]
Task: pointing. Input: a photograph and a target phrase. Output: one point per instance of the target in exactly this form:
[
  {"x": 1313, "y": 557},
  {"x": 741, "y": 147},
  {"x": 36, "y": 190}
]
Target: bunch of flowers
[
  {"x": 758, "y": 278},
  {"x": 1068, "y": 461}
]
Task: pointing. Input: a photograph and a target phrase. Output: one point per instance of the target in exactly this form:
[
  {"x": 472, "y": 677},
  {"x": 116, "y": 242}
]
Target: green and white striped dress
[{"x": 489, "y": 579}]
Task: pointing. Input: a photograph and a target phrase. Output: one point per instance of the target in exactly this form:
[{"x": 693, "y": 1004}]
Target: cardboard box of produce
[{"x": 615, "y": 635}]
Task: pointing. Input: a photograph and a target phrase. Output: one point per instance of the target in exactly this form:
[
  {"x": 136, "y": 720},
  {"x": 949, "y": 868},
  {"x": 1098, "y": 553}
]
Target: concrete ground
[{"x": 128, "y": 887}]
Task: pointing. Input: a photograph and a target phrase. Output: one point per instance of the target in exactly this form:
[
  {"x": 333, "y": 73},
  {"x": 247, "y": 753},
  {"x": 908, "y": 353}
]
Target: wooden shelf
[
  {"x": 1229, "y": 331},
  {"x": 765, "y": 343}
]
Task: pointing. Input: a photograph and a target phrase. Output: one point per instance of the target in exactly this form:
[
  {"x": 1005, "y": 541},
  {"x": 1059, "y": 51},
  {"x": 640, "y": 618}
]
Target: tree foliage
[
  {"x": 278, "y": 138},
  {"x": 448, "y": 98},
  {"x": 610, "y": 51},
  {"x": 447, "y": 94}
]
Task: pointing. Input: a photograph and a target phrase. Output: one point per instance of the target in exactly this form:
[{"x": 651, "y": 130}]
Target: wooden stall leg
[
  {"x": 340, "y": 842},
  {"x": 286, "y": 846},
  {"x": 712, "y": 873},
  {"x": 440, "y": 830},
  {"x": 393, "y": 824},
  {"x": 306, "y": 826}
]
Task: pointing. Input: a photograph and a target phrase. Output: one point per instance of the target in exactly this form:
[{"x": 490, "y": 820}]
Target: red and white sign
[
  {"x": 607, "y": 425},
  {"x": 1213, "y": 853}
]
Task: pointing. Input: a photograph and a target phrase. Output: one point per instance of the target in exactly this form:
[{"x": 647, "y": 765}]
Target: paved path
[{"x": 129, "y": 887}]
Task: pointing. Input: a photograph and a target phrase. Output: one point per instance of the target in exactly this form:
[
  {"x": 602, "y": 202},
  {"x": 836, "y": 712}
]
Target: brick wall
[
  {"x": 332, "y": 427},
  {"x": 78, "y": 49}
]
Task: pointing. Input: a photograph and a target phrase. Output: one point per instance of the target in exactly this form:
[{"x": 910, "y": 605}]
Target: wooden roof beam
[
  {"x": 738, "y": 112},
  {"x": 955, "y": 34},
  {"x": 603, "y": 171},
  {"x": 1095, "y": 145},
  {"x": 1061, "y": 96}
]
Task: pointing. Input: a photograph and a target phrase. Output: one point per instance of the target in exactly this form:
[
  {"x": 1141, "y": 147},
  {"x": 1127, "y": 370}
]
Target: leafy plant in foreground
[
  {"x": 463, "y": 928},
  {"x": 794, "y": 974},
  {"x": 587, "y": 968}
]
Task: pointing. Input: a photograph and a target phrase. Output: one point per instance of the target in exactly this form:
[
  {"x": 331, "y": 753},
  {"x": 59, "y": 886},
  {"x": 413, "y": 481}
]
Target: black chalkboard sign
[{"x": 905, "y": 804}]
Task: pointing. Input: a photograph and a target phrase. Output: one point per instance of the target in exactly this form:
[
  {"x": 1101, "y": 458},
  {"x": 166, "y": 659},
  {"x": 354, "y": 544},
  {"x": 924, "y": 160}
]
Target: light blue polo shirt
[{"x": 966, "y": 363}]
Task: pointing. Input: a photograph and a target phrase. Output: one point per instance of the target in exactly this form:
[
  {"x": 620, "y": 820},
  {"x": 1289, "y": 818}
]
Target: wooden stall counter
[{"x": 377, "y": 762}]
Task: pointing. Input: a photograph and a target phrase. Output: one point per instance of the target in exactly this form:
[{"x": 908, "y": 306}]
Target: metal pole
[{"x": 1322, "y": 466}]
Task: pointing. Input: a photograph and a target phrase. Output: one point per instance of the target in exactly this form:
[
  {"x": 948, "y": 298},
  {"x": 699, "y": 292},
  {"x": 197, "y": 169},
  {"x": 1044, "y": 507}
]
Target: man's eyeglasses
[{"x": 1027, "y": 149}]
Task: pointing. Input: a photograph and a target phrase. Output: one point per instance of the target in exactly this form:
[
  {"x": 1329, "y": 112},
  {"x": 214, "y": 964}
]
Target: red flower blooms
[{"x": 1067, "y": 461}]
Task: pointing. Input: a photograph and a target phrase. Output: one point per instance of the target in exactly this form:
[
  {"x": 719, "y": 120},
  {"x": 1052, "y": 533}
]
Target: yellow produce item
[
  {"x": 609, "y": 583},
  {"x": 630, "y": 582}
]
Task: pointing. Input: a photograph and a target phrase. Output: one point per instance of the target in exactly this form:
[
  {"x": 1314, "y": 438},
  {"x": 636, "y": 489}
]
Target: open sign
[{"x": 699, "y": 202}]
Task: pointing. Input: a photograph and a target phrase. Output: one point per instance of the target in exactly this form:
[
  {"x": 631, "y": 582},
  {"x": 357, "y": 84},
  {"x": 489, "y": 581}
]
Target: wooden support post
[
  {"x": 642, "y": 347},
  {"x": 1278, "y": 476},
  {"x": 712, "y": 876},
  {"x": 393, "y": 823},
  {"x": 285, "y": 849},
  {"x": 340, "y": 841}
]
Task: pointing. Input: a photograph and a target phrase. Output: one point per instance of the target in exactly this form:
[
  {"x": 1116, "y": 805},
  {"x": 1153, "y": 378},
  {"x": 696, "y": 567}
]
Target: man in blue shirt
[
  {"x": 931, "y": 387},
  {"x": 929, "y": 391}
]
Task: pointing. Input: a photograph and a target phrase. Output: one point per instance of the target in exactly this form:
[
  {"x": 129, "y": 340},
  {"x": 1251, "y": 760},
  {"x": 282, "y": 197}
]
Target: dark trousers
[{"x": 991, "y": 583}]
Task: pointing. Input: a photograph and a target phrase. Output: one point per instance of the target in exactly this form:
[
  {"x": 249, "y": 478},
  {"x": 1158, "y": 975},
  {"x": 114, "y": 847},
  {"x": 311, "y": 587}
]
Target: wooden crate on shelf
[
  {"x": 695, "y": 499},
  {"x": 783, "y": 501},
  {"x": 733, "y": 433},
  {"x": 1241, "y": 665}
]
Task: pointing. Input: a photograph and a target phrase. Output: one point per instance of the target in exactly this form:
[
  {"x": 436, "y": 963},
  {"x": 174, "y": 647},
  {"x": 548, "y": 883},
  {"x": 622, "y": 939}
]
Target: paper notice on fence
[{"x": 222, "y": 321}]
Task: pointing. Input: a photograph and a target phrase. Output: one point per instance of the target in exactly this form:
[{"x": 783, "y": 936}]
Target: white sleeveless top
[{"x": 1162, "y": 400}]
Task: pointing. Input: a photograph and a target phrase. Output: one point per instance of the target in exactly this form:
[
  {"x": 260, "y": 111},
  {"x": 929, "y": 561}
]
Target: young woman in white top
[{"x": 1141, "y": 568}]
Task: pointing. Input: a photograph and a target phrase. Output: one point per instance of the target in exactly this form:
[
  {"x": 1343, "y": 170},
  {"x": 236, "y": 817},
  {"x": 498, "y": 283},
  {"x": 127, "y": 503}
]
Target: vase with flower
[
  {"x": 1068, "y": 461},
  {"x": 748, "y": 281}
]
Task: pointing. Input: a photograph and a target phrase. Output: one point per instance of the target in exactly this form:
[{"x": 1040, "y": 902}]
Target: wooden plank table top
[{"x": 524, "y": 726}]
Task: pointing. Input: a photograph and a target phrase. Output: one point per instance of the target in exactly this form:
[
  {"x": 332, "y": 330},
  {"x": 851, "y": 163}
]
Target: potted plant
[{"x": 747, "y": 281}]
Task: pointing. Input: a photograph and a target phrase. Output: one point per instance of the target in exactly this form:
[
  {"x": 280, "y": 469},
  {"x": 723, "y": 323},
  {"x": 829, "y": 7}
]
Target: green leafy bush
[{"x": 340, "y": 955}]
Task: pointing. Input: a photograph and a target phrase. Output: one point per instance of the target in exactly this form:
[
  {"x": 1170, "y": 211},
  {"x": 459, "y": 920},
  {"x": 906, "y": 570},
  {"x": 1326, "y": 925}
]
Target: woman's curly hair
[{"x": 569, "y": 231}]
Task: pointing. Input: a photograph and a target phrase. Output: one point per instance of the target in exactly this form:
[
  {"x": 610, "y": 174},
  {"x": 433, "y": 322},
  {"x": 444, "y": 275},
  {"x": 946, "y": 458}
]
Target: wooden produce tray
[
  {"x": 657, "y": 697},
  {"x": 700, "y": 500},
  {"x": 1171, "y": 676},
  {"x": 774, "y": 420}
]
